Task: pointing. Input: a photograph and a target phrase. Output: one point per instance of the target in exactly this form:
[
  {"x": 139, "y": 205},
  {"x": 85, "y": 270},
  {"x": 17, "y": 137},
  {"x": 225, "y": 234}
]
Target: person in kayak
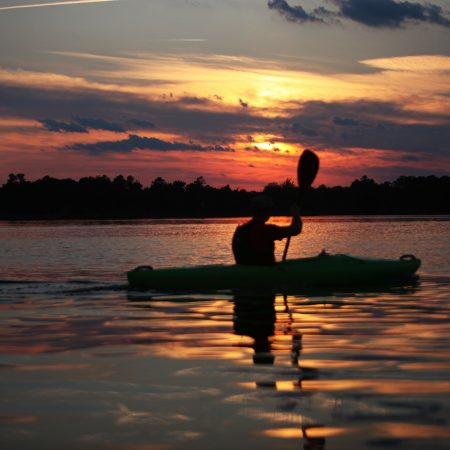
[{"x": 254, "y": 242}]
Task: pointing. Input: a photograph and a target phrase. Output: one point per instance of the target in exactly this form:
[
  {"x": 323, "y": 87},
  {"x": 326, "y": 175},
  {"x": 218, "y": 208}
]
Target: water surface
[{"x": 86, "y": 363}]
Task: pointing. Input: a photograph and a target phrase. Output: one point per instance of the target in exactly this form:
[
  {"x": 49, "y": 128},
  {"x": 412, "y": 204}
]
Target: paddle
[{"x": 308, "y": 166}]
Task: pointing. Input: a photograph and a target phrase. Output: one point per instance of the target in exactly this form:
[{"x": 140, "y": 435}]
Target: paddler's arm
[{"x": 296, "y": 225}]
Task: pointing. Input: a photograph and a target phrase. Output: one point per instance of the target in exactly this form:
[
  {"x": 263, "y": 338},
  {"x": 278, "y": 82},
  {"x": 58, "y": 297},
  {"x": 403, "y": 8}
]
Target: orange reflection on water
[
  {"x": 285, "y": 386},
  {"x": 413, "y": 430},
  {"x": 277, "y": 416},
  {"x": 140, "y": 446},
  {"x": 283, "y": 433},
  {"x": 330, "y": 363},
  {"x": 18, "y": 420},
  {"x": 425, "y": 331},
  {"x": 425, "y": 366},
  {"x": 388, "y": 386},
  {"x": 194, "y": 323},
  {"x": 181, "y": 351},
  {"x": 49, "y": 367},
  {"x": 297, "y": 433},
  {"x": 28, "y": 348}
]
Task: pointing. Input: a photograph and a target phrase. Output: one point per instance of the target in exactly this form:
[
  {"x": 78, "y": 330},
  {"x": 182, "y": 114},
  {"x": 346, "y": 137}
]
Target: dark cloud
[
  {"x": 294, "y": 13},
  {"x": 300, "y": 129},
  {"x": 242, "y": 103},
  {"x": 394, "y": 171},
  {"x": 202, "y": 125},
  {"x": 389, "y": 13},
  {"x": 99, "y": 124},
  {"x": 372, "y": 13},
  {"x": 191, "y": 100},
  {"x": 345, "y": 122},
  {"x": 144, "y": 124},
  {"x": 62, "y": 127},
  {"x": 252, "y": 148},
  {"x": 381, "y": 125},
  {"x": 80, "y": 125},
  {"x": 134, "y": 142},
  {"x": 366, "y": 133},
  {"x": 410, "y": 158}
]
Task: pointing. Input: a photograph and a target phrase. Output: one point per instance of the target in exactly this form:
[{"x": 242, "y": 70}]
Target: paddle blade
[{"x": 308, "y": 166}]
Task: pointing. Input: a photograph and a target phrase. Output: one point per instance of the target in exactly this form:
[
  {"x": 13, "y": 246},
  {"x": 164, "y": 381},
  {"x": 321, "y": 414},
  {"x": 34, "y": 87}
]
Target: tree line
[{"x": 122, "y": 197}]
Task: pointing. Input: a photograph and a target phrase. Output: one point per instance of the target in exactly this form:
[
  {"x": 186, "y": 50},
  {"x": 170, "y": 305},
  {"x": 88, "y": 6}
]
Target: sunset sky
[{"x": 232, "y": 90}]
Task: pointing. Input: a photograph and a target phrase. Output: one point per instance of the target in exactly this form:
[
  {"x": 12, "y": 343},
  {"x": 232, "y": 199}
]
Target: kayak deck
[{"x": 319, "y": 271}]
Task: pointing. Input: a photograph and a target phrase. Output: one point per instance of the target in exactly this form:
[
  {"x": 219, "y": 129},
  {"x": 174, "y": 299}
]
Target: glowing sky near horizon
[{"x": 230, "y": 90}]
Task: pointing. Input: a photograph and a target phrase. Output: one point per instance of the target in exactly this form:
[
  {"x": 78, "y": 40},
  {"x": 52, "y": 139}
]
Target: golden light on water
[
  {"x": 18, "y": 420},
  {"x": 282, "y": 385},
  {"x": 283, "y": 433},
  {"x": 312, "y": 432},
  {"x": 379, "y": 386},
  {"x": 50, "y": 367},
  {"x": 324, "y": 363},
  {"x": 203, "y": 350},
  {"x": 425, "y": 366},
  {"x": 412, "y": 430}
]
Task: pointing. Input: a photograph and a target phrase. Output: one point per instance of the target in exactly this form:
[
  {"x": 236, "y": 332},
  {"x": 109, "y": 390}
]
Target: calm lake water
[{"x": 86, "y": 363}]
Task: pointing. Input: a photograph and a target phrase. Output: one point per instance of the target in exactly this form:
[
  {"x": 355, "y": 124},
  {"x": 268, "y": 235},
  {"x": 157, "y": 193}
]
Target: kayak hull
[{"x": 319, "y": 271}]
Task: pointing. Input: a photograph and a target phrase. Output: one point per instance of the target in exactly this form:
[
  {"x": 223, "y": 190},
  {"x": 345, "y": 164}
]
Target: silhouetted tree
[{"x": 125, "y": 197}]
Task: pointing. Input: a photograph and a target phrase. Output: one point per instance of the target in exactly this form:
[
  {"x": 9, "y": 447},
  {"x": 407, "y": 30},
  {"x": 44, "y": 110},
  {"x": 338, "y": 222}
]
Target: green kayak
[{"x": 320, "y": 271}]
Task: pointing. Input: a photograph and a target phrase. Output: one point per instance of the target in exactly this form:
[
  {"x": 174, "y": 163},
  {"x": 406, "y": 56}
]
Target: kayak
[{"x": 323, "y": 270}]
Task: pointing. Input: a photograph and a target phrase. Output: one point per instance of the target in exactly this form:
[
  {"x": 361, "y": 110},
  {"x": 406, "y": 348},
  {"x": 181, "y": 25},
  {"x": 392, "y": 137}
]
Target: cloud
[
  {"x": 42, "y": 5},
  {"x": 193, "y": 101},
  {"x": 134, "y": 142},
  {"x": 62, "y": 127},
  {"x": 386, "y": 125},
  {"x": 419, "y": 64},
  {"x": 126, "y": 108},
  {"x": 389, "y": 13},
  {"x": 305, "y": 131},
  {"x": 99, "y": 124},
  {"x": 393, "y": 171},
  {"x": 145, "y": 124},
  {"x": 401, "y": 130},
  {"x": 80, "y": 125},
  {"x": 293, "y": 13},
  {"x": 371, "y": 13},
  {"x": 345, "y": 122},
  {"x": 243, "y": 103},
  {"x": 410, "y": 158}
]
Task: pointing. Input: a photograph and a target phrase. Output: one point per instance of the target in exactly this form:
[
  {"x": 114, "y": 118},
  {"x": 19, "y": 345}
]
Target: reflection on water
[
  {"x": 254, "y": 316},
  {"x": 106, "y": 250},
  {"x": 338, "y": 370},
  {"x": 87, "y": 364}
]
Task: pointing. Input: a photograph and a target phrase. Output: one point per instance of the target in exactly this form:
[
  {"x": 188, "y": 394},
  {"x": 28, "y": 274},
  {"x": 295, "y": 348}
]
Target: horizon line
[{"x": 112, "y": 177}]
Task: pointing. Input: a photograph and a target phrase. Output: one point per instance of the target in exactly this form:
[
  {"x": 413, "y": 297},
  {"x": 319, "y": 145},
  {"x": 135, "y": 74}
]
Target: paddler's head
[{"x": 262, "y": 207}]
